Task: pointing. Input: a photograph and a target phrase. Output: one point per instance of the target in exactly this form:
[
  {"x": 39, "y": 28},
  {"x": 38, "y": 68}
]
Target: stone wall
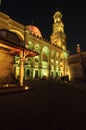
[{"x": 6, "y": 67}]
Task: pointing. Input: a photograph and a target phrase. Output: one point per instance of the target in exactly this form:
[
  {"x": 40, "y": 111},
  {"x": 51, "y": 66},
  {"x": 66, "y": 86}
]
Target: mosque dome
[{"x": 34, "y": 30}]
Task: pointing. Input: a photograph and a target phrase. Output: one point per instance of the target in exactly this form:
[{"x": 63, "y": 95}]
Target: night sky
[{"x": 40, "y": 14}]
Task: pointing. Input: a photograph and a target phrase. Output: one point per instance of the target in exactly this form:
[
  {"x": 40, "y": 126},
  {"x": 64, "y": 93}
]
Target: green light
[{"x": 65, "y": 55}]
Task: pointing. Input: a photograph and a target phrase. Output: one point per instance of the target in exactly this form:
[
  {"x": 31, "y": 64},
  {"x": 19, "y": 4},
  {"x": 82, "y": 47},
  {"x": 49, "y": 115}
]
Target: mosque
[
  {"x": 26, "y": 54},
  {"x": 44, "y": 58}
]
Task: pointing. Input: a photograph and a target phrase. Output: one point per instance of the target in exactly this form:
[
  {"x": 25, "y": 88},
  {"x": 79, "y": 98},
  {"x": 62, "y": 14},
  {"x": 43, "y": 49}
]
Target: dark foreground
[{"x": 47, "y": 106}]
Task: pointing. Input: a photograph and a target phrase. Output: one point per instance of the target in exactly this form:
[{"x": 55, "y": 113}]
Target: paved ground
[{"x": 47, "y": 106}]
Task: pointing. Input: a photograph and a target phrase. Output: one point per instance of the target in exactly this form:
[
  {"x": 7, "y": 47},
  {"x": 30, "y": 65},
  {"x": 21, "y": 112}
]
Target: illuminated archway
[
  {"x": 19, "y": 34},
  {"x": 45, "y": 54}
]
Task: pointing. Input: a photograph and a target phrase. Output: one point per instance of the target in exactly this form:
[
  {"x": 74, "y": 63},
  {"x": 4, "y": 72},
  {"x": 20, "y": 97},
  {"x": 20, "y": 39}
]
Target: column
[{"x": 21, "y": 68}]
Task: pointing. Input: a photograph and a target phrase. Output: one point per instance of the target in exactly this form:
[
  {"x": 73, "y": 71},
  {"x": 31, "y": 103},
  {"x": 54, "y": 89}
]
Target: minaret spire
[{"x": 78, "y": 48}]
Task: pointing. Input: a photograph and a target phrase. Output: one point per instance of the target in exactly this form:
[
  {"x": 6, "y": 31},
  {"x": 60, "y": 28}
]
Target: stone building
[
  {"x": 25, "y": 53},
  {"x": 77, "y": 65}
]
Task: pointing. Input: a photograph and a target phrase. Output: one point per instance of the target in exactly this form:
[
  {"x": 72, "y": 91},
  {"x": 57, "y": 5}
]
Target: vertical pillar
[
  {"x": 49, "y": 64},
  {"x": 21, "y": 68},
  {"x": 26, "y": 32},
  {"x": 64, "y": 66},
  {"x": 54, "y": 65},
  {"x": 40, "y": 64}
]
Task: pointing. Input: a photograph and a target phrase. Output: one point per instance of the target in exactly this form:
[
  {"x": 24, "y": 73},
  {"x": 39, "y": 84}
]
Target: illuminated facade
[{"x": 52, "y": 56}]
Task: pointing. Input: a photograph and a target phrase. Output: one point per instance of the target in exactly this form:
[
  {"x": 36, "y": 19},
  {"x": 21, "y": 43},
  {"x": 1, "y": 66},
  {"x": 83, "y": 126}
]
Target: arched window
[{"x": 44, "y": 57}]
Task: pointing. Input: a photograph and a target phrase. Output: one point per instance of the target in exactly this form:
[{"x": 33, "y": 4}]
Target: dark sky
[{"x": 40, "y": 14}]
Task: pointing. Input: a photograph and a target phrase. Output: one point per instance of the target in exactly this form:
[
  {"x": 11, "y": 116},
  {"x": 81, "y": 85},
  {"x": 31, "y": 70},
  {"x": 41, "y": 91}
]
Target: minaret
[
  {"x": 58, "y": 37},
  {"x": 78, "y": 50}
]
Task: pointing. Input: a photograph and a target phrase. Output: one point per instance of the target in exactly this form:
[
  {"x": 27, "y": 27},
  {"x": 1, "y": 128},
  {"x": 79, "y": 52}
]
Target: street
[{"x": 47, "y": 106}]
